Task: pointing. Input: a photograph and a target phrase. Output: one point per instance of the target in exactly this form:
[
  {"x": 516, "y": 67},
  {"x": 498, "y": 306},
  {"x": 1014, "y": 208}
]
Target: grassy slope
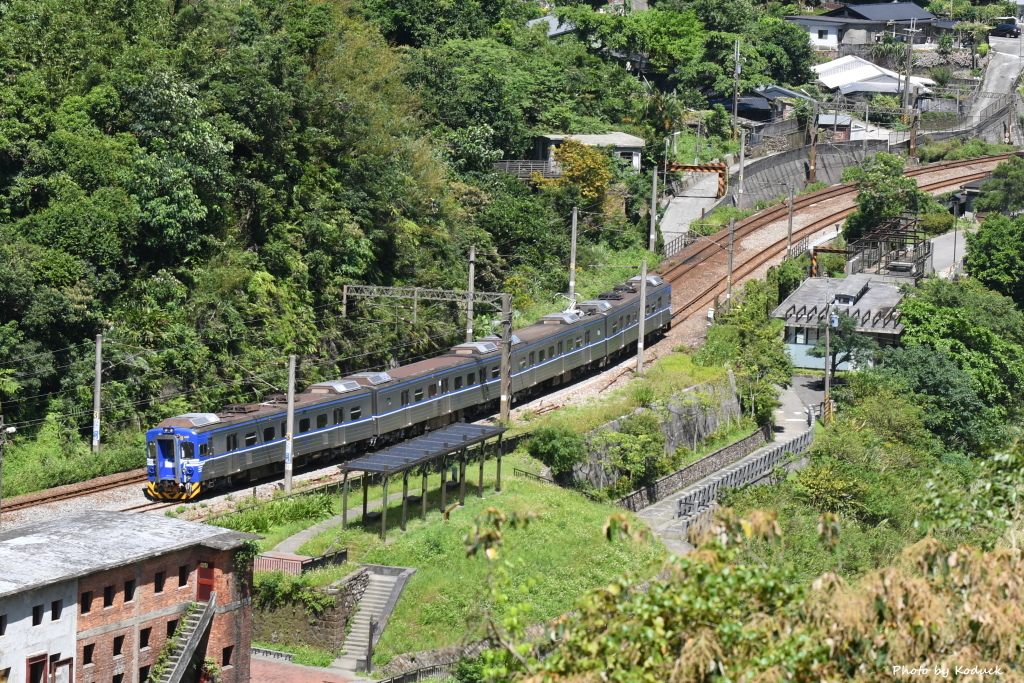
[{"x": 564, "y": 550}]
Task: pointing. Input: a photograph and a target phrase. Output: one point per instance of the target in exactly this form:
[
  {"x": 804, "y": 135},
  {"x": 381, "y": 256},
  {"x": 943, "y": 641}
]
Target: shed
[{"x": 625, "y": 145}]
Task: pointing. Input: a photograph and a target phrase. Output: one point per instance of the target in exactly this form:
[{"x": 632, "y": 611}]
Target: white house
[
  {"x": 626, "y": 146},
  {"x": 852, "y": 74}
]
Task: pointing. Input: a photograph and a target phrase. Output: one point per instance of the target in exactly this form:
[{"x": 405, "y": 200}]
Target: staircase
[
  {"x": 188, "y": 640},
  {"x": 371, "y": 607}
]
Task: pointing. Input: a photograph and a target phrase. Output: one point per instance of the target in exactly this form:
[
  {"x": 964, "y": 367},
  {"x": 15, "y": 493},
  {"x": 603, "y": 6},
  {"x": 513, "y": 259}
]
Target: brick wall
[{"x": 130, "y": 615}]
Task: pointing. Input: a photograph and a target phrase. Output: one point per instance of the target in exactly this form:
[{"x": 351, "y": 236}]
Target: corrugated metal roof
[
  {"x": 605, "y": 140},
  {"x": 885, "y": 11}
]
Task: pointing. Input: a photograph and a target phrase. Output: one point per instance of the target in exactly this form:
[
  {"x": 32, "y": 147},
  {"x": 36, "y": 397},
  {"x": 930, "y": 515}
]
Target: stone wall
[
  {"x": 686, "y": 420},
  {"x": 694, "y": 472},
  {"x": 293, "y": 625}
]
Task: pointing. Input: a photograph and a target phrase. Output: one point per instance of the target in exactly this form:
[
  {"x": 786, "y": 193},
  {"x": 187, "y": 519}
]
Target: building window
[
  {"x": 226, "y": 657},
  {"x": 118, "y": 645},
  {"x": 250, "y": 439},
  {"x": 158, "y": 582},
  {"x": 3, "y": 624},
  {"x": 172, "y": 626},
  {"x": 87, "y": 653},
  {"x": 268, "y": 435},
  {"x": 183, "y": 575},
  {"x": 108, "y": 596},
  {"x": 355, "y": 413},
  {"x": 129, "y": 590},
  {"x": 37, "y": 615},
  {"x": 321, "y": 421},
  {"x": 86, "y": 603},
  {"x": 56, "y": 607},
  {"x": 118, "y": 678},
  {"x": 232, "y": 442},
  {"x": 822, "y": 34},
  {"x": 303, "y": 425},
  {"x": 144, "y": 639},
  {"x": 143, "y": 673}
]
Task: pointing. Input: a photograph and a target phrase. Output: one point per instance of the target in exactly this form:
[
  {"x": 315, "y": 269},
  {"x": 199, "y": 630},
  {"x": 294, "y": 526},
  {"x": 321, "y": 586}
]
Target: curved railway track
[{"x": 697, "y": 254}]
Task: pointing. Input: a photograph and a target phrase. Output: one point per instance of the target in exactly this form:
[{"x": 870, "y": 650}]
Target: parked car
[{"x": 1005, "y": 31}]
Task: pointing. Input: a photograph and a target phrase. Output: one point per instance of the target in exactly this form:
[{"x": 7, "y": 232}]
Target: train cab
[{"x": 174, "y": 452}]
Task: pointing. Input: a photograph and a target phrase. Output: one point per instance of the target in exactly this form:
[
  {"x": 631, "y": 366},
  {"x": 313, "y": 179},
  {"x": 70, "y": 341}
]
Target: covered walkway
[{"x": 424, "y": 452}]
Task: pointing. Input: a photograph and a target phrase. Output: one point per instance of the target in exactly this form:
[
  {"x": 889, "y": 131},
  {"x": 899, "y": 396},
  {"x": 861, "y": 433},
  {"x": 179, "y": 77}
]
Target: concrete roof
[
  {"x": 605, "y": 140},
  {"x": 807, "y": 305},
  {"x": 68, "y": 548},
  {"x": 834, "y": 120}
]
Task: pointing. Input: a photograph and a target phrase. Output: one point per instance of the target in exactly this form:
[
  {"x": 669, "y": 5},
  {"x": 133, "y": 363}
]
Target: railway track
[
  {"x": 71, "y": 491},
  {"x": 699, "y": 253}
]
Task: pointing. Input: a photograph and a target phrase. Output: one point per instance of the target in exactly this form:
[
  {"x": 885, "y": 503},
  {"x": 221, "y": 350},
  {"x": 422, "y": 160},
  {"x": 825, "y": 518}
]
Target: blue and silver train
[{"x": 342, "y": 418}]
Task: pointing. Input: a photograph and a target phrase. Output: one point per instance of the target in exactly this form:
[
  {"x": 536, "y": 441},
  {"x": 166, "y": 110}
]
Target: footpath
[{"x": 790, "y": 422}]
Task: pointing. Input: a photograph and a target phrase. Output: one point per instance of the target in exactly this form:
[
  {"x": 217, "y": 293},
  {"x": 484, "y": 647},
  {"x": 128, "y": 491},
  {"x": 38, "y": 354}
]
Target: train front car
[{"x": 173, "y": 464}]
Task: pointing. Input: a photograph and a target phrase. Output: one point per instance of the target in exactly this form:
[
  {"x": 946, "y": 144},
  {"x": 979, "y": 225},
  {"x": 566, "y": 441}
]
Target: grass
[
  {"x": 305, "y": 655},
  {"x": 668, "y": 376},
  {"x": 564, "y": 551}
]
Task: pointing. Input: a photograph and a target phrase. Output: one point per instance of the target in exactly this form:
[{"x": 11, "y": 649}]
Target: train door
[{"x": 168, "y": 458}]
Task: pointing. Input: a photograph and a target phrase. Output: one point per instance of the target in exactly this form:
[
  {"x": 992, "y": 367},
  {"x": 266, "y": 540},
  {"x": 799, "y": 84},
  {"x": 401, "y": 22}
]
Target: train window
[
  {"x": 659, "y": 303},
  {"x": 339, "y": 414},
  {"x": 495, "y": 372},
  {"x": 321, "y": 421},
  {"x": 418, "y": 395},
  {"x": 355, "y": 413},
  {"x": 405, "y": 397},
  {"x": 203, "y": 448},
  {"x": 533, "y": 359},
  {"x": 551, "y": 352},
  {"x": 188, "y": 450},
  {"x": 615, "y": 327},
  {"x": 458, "y": 382},
  {"x": 152, "y": 449},
  {"x": 284, "y": 428},
  {"x": 232, "y": 441},
  {"x": 522, "y": 364},
  {"x": 579, "y": 342},
  {"x": 470, "y": 379},
  {"x": 268, "y": 435},
  {"x": 444, "y": 385},
  {"x": 587, "y": 333},
  {"x": 431, "y": 390},
  {"x": 598, "y": 332},
  {"x": 541, "y": 355},
  {"x": 559, "y": 348},
  {"x": 250, "y": 439},
  {"x": 303, "y": 425}
]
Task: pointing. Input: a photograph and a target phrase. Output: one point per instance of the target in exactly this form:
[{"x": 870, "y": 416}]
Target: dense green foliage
[
  {"x": 1005, "y": 191},
  {"x": 883, "y": 193},
  {"x": 995, "y": 255},
  {"x": 557, "y": 447}
]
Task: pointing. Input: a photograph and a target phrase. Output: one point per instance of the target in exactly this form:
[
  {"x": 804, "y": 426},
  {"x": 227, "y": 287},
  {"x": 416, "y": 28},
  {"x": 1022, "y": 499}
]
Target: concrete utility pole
[
  {"x": 652, "y": 240},
  {"x": 664, "y": 171},
  {"x": 642, "y": 317},
  {"x": 572, "y": 257},
  {"x": 97, "y": 381},
  {"x": 506, "y": 357},
  {"x": 736, "y": 88},
  {"x": 912, "y": 151},
  {"x": 469, "y": 302},
  {"x": 867, "y": 127},
  {"x": 732, "y": 237},
  {"x": 813, "y": 160},
  {"x": 289, "y": 449},
  {"x": 696, "y": 153},
  {"x": 910, "y": 54},
  {"x": 743, "y": 156},
  {"x": 789, "y": 223}
]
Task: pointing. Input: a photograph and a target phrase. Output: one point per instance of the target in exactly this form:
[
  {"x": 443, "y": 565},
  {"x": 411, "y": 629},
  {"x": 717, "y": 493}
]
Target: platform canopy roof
[{"x": 423, "y": 449}]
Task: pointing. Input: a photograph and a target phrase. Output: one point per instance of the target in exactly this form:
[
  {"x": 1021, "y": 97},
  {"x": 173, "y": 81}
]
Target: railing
[
  {"x": 679, "y": 243},
  {"x": 296, "y": 565},
  {"x": 525, "y": 169},
  {"x": 516, "y": 472},
  {"x": 437, "y": 671},
  {"x": 181, "y": 666},
  {"x": 271, "y": 654}
]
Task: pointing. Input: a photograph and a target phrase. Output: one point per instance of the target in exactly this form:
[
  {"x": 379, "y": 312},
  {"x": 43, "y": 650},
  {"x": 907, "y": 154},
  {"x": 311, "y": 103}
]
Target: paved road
[
  {"x": 686, "y": 208},
  {"x": 945, "y": 254},
  {"x": 1003, "y": 68}
]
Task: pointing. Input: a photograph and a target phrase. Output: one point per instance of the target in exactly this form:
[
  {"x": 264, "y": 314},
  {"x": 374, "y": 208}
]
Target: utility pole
[
  {"x": 789, "y": 228},
  {"x": 828, "y": 364},
  {"x": 289, "y": 449},
  {"x": 812, "y": 165},
  {"x": 506, "y": 357},
  {"x": 736, "y": 88},
  {"x": 743, "y": 155},
  {"x": 572, "y": 257},
  {"x": 912, "y": 151},
  {"x": 664, "y": 171},
  {"x": 867, "y": 127},
  {"x": 910, "y": 53},
  {"x": 97, "y": 380},
  {"x": 4, "y": 432},
  {"x": 696, "y": 154},
  {"x": 642, "y": 316},
  {"x": 654, "y": 211},
  {"x": 732, "y": 237},
  {"x": 469, "y": 301}
]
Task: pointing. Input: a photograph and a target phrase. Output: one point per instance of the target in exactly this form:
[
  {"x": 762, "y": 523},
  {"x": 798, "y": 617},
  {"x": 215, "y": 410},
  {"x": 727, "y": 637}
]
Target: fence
[
  {"x": 695, "y": 506},
  {"x": 526, "y": 169},
  {"x": 296, "y": 565},
  {"x": 530, "y": 475},
  {"x": 437, "y": 671}
]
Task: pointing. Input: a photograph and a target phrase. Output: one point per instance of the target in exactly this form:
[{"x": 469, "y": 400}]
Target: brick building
[{"x": 95, "y": 598}]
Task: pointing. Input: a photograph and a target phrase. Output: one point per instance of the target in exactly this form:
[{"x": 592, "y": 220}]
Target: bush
[
  {"x": 557, "y": 447},
  {"x": 942, "y": 75},
  {"x": 936, "y": 223},
  {"x": 982, "y": 50}
]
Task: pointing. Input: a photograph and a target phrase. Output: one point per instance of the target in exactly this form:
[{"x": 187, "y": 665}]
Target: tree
[
  {"x": 1005, "y": 192},
  {"x": 557, "y": 447},
  {"x": 846, "y": 345},
  {"x": 883, "y": 193},
  {"x": 995, "y": 255}
]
